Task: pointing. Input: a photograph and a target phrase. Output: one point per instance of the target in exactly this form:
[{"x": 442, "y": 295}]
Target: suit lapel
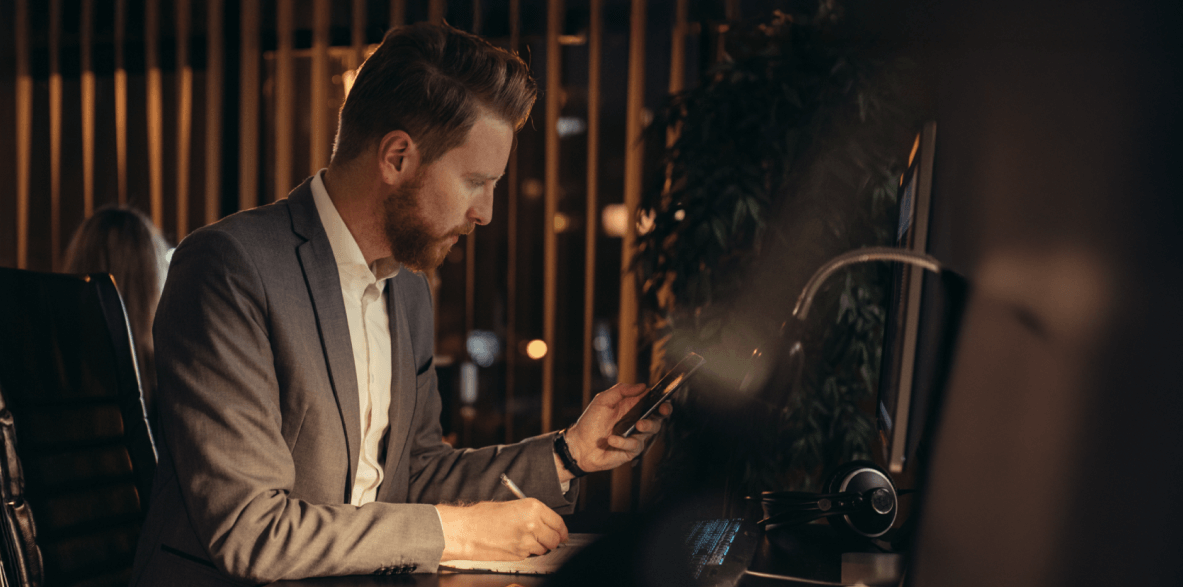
[
  {"x": 324, "y": 288},
  {"x": 403, "y": 387}
]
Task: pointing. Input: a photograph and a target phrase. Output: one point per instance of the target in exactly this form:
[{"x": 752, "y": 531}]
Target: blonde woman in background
[{"x": 122, "y": 241}]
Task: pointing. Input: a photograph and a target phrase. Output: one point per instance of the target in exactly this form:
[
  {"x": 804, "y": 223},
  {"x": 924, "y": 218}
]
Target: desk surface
[
  {"x": 585, "y": 522},
  {"x": 420, "y": 580},
  {"x": 810, "y": 552}
]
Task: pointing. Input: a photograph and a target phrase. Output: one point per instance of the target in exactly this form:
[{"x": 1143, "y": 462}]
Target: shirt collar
[{"x": 350, "y": 261}]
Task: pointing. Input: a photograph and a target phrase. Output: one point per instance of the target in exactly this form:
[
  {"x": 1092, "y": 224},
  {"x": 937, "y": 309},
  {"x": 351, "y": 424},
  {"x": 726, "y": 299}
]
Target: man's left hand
[{"x": 592, "y": 443}]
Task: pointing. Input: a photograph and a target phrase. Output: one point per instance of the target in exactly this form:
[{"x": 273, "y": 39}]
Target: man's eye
[{"x": 477, "y": 184}]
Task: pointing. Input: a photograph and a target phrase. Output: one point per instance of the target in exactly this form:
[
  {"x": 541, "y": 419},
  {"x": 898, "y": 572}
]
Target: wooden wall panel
[
  {"x": 154, "y": 83},
  {"x": 120, "y": 101},
  {"x": 250, "y": 57},
  {"x": 184, "y": 115},
  {"x": 24, "y": 129},
  {"x": 653, "y": 457},
  {"x": 55, "y": 132},
  {"x": 284, "y": 96},
  {"x": 318, "y": 117},
  {"x": 398, "y": 12},
  {"x": 627, "y": 352},
  {"x": 357, "y": 33},
  {"x": 87, "y": 106},
  {"x": 214, "y": 72},
  {"x": 554, "y": 90},
  {"x": 595, "y": 48}
]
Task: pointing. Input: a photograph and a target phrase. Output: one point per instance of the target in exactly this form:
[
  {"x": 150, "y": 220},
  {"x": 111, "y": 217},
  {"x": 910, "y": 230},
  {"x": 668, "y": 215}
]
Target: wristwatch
[{"x": 564, "y": 453}]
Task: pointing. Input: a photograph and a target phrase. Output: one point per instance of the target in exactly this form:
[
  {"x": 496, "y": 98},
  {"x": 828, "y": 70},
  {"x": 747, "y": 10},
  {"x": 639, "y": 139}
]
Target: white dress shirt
[{"x": 362, "y": 288}]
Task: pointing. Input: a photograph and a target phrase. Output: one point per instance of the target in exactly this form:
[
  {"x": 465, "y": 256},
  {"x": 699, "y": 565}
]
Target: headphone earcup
[{"x": 862, "y": 477}]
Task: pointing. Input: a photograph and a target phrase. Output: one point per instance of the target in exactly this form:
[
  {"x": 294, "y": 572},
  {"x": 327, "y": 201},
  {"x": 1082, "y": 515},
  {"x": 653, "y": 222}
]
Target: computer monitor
[{"x": 922, "y": 318}]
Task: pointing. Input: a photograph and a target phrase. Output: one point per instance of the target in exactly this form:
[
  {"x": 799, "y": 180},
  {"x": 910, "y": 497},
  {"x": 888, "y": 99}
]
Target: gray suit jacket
[{"x": 259, "y": 429}]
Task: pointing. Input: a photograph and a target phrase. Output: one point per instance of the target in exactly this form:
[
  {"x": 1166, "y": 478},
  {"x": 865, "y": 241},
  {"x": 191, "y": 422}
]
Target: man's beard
[{"x": 411, "y": 239}]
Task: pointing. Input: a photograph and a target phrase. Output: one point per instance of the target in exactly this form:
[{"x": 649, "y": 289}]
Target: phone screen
[{"x": 660, "y": 392}]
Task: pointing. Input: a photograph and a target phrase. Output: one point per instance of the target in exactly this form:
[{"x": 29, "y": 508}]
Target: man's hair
[{"x": 432, "y": 81}]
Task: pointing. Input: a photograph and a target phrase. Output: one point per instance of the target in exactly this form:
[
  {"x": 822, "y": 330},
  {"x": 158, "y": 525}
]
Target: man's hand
[
  {"x": 591, "y": 441},
  {"x": 500, "y": 530}
]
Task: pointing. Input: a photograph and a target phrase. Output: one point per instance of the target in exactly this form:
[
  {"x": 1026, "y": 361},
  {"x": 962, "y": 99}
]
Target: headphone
[{"x": 858, "y": 499}]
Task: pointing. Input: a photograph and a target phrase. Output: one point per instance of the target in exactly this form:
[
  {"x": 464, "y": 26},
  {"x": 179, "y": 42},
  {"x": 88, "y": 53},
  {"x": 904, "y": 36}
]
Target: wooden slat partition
[
  {"x": 595, "y": 47},
  {"x": 55, "y": 132},
  {"x": 550, "y": 268},
  {"x": 319, "y": 151},
  {"x": 155, "y": 110},
  {"x": 511, "y": 269},
  {"x": 436, "y": 11},
  {"x": 284, "y": 90},
  {"x": 213, "y": 110},
  {"x": 24, "y": 129},
  {"x": 357, "y": 33},
  {"x": 120, "y": 102},
  {"x": 251, "y": 24},
  {"x": 398, "y": 12},
  {"x": 268, "y": 163},
  {"x": 476, "y": 17},
  {"x": 87, "y": 90},
  {"x": 678, "y": 50},
  {"x": 184, "y": 138},
  {"x": 622, "y": 476},
  {"x": 653, "y": 457}
]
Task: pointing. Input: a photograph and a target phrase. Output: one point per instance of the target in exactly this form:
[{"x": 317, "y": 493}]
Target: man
[{"x": 298, "y": 410}]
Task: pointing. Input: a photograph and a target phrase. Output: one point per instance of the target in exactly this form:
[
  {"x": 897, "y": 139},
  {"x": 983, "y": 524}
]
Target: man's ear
[{"x": 397, "y": 156}]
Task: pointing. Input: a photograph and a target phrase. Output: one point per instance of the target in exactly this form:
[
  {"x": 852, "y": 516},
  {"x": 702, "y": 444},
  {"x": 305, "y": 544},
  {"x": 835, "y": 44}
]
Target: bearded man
[{"x": 299, "y": 431}]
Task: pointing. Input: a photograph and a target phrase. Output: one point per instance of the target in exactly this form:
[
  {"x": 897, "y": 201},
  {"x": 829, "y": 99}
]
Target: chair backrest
[
  {"x": 20, "y": 560},
  {"x": 68, "y": 374}
]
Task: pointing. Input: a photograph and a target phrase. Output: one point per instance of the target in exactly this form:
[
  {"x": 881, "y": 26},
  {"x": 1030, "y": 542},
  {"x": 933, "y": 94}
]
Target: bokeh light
[{"x": 536, "y": 349}]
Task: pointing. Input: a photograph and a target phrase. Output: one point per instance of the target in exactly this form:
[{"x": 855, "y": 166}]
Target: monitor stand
[{"x": 815, "y": 554}]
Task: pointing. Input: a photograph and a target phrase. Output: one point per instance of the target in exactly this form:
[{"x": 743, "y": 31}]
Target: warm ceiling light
[
  {"x": 536, "y": 349},
  {"x": 614, "y": 219},
  {"x": 562, "y": 223}
]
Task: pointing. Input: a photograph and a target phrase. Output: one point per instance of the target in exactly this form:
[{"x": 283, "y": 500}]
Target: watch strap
[{"x": 564, "y": 452}]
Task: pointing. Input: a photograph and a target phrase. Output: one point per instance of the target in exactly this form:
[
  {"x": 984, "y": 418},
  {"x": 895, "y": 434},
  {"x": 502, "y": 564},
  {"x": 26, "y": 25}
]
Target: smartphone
[{"x": 661, "y": 392}]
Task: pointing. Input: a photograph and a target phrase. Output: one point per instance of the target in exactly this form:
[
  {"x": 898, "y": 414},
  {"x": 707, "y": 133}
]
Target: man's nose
[{"x": 481, "y": 211}]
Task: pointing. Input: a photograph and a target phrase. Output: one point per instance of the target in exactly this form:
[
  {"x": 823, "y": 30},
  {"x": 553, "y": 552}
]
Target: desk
[
  {"x": 815, "y": 553},
  {"x": 584, "y": 522},
  {"x": 419, "y": 580},
  {"x": 812, "y": 552}
]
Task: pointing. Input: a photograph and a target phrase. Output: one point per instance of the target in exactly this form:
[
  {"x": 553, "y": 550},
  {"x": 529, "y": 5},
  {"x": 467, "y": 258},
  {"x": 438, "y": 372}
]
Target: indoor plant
[{"x": 788, "y": 152}]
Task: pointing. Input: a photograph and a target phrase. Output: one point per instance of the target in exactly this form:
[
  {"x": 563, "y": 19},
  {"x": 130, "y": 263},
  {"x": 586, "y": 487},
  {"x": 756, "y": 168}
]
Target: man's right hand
[{"x": 500, "y": 530}]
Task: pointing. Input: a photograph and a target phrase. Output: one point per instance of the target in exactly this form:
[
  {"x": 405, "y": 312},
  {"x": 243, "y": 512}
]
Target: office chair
[
  {"x": 20, "y": 561},
  {"x": 68, "y": 376}
]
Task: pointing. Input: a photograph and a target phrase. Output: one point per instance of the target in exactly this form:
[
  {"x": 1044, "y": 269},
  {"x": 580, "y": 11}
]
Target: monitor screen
[{"x": 902, "y": 325}]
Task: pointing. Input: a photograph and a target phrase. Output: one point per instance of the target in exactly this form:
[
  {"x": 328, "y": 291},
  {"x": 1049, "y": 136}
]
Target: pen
[{"x": 513, "y": 487}]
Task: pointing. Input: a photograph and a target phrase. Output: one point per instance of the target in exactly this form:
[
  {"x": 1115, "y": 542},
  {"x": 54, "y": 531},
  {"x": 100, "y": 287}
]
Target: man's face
[{"x": 426, "y": 215}]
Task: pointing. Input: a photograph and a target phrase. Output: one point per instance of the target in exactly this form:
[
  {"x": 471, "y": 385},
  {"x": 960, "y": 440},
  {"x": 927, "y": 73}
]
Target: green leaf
[{"x": 720, "y": 232}]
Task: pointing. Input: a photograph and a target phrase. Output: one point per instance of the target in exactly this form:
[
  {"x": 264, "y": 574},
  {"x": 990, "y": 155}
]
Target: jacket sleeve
[
  {"x": 220, "y": 415},
  {"x": 441, "y": 474}
]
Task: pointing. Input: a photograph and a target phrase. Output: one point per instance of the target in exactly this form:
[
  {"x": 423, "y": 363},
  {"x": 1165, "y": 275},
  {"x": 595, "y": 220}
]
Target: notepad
[{"x": 534, "y": 565}]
